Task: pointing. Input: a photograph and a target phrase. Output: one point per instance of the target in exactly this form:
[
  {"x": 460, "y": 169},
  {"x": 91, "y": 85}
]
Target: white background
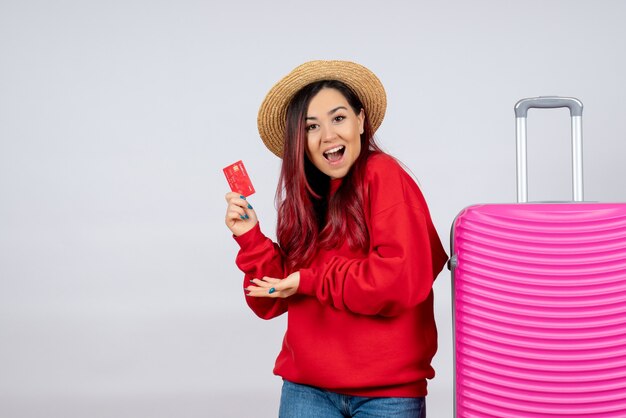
[{"x": 119, "y": 296}]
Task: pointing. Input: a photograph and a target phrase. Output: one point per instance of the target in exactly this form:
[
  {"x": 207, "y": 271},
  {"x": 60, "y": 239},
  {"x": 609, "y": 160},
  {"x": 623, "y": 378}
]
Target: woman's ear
[{"x": 361, "y": 118}]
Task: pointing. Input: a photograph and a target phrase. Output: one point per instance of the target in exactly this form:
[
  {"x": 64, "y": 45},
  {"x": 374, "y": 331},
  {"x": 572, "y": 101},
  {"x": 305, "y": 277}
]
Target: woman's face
[{"x": 333, "y": 133}]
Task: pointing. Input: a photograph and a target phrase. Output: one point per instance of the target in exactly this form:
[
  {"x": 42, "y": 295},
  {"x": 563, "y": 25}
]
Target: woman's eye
[
  {"x": 339, "y": 118},
  {"x": 311, "y": 127}
]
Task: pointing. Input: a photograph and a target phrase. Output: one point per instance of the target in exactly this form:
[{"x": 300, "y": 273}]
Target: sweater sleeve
[
  {"x": 259, "y": 257},
  {"x": 404, "y": 258}
]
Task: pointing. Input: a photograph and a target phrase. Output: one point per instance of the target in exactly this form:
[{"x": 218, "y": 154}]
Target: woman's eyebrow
[
  {"x": 330, "y": 112},
  {"x": 336, "y": 109}
]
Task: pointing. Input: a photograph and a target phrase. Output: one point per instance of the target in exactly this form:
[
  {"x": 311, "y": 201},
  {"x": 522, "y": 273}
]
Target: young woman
[{"x": 356, "y": 257}]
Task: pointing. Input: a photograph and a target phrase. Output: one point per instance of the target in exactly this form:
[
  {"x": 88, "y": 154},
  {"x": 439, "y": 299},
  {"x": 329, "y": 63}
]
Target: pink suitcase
[{"x": 539, "y": 300}]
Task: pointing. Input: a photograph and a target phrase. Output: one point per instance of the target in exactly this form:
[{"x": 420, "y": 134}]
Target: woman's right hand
[{"x": 240, "y": 217}]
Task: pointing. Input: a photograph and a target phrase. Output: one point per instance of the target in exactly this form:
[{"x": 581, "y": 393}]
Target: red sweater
[{"x": 362, "y": 322}]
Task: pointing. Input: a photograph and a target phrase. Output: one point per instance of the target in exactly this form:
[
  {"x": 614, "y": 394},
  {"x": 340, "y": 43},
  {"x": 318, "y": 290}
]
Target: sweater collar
[{"x": 334, "y": 185}]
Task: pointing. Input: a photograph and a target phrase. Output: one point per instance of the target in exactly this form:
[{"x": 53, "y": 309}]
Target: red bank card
[{"x": 238, "y": 179}]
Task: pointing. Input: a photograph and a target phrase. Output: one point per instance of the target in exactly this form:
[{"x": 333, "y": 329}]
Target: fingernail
[
  {"x": 249, "y": 206},
  {"x": 247, "y": 217},
  {"x": 272, "y": 290},
  {"x": 243, "y": 197},
  {"x": 242, "y": 217}
]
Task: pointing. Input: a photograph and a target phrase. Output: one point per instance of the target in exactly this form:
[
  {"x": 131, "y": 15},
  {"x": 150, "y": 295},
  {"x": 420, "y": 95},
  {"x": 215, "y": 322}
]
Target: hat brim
[{"x": 272, "y": 115}]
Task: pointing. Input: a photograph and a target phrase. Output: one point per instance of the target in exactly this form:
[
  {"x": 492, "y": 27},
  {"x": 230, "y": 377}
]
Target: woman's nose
[{"x": 328, "y": 133}]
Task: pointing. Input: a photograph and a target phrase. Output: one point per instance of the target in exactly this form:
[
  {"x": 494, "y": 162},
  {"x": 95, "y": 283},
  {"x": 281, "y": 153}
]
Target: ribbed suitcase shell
[{"x": 540, "y": 310}]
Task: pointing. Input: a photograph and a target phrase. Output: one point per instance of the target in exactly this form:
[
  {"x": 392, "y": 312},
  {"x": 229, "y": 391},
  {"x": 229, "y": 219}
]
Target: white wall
[{"x": 119, "y": 296}]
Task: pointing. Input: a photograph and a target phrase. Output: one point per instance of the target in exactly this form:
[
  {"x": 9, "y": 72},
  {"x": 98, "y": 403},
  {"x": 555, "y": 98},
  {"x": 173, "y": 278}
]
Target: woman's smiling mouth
[{"x": 334, "y": 154}]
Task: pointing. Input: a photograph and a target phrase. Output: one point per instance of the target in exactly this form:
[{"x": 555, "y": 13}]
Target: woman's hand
[
  {"x": 268, "y": 287},
  {"x": 240, "y": 217}
]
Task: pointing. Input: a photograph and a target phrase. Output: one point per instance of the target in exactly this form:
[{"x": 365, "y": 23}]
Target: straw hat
[{"x": 273, "y": 110}]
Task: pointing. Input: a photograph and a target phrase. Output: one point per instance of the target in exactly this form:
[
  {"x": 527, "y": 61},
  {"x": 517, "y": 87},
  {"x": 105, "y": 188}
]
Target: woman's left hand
[{"x": 269, "y": 287}]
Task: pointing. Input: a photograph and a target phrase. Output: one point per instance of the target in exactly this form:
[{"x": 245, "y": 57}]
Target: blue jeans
[{"x": 300, "y": 401}]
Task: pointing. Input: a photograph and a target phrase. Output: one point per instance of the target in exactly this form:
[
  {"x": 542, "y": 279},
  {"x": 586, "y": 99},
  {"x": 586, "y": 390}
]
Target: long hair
[{"x": 308, "y": 218}]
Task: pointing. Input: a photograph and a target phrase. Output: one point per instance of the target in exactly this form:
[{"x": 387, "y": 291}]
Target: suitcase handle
[{"x": 549, "y": 102}]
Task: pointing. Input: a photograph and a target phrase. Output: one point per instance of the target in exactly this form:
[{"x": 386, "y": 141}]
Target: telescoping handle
[{"x": 549, "y": 102}]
